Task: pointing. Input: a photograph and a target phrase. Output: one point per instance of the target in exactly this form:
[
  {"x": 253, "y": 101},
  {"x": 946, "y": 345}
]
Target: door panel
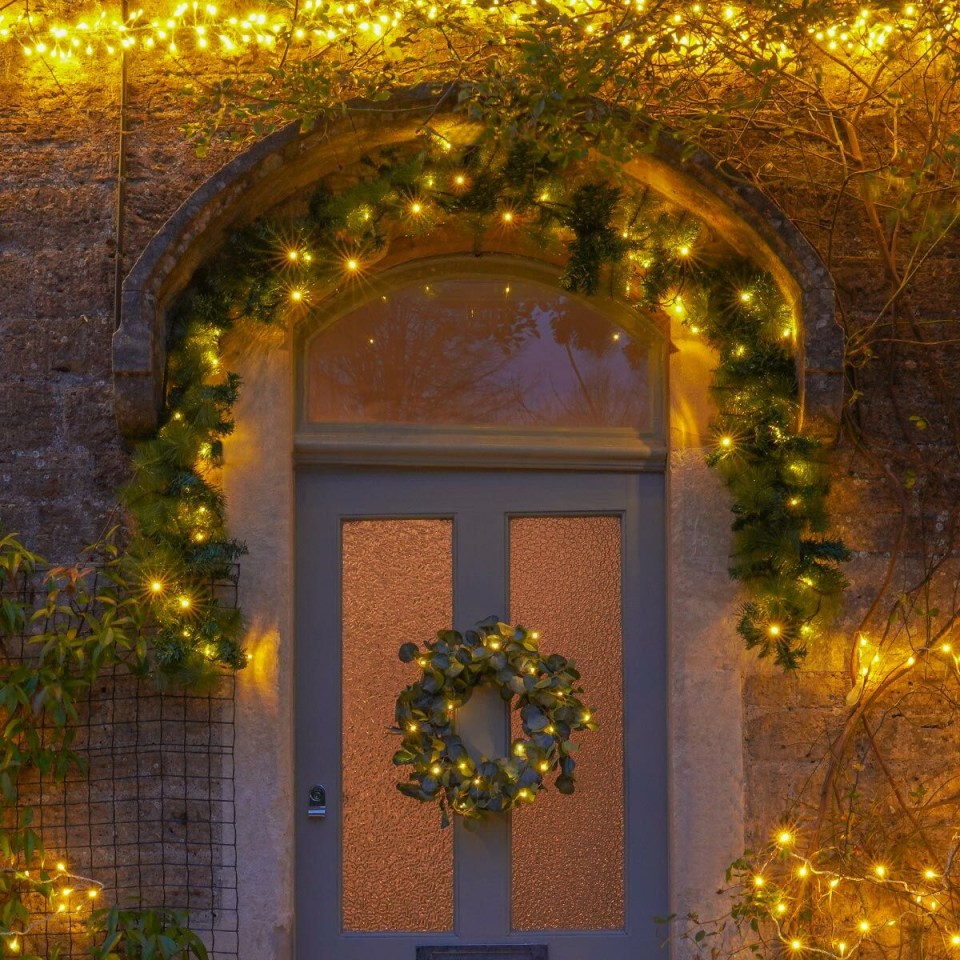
[
  {"x": 565, "y": 576},
  {"x": 376, "y": 553},
  {"x": 386, "y": 836}
]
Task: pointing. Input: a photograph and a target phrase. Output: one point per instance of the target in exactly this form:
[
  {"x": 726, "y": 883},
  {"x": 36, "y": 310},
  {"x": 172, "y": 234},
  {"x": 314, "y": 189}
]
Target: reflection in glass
[{"x": 478, "y": 350}]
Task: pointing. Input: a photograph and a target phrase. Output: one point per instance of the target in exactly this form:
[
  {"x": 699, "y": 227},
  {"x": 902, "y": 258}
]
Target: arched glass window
[{"x": 479, "y": 351}]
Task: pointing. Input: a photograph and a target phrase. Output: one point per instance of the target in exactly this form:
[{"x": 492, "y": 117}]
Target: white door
[{"x": 386, "y": 556}]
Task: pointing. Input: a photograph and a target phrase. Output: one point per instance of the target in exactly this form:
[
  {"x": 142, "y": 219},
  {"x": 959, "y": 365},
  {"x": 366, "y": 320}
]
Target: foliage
[
  {"x": 628, "y": 245},
  {"x": 180, "y": 548},
  {"x": 454, "y": 665},
  {"x": 147, "y": 935},
  {"x": 61, "y": 627},
  {"x": 777, "y": 476}
]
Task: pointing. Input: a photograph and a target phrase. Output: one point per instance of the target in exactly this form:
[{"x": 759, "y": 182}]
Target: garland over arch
[{"x": 626, "y": 243}]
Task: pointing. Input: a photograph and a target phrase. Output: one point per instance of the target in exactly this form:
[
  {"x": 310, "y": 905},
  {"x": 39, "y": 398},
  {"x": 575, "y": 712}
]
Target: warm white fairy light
[{"x": 202, "y": 32}]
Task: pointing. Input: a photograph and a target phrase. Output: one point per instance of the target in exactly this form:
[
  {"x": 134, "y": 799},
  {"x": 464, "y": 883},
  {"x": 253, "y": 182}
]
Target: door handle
[{"x": 317, "y": 802}]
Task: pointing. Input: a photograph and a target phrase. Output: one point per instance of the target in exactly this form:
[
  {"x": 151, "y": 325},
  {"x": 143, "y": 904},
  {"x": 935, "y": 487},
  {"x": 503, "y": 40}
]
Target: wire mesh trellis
[{"x": 151, "y": 816}]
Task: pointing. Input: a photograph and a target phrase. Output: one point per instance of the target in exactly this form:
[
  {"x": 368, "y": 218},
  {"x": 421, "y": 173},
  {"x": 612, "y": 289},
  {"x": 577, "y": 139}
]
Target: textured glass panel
[
  {"x": 397, "y": 586},
  {"x": 478, "y": 351},
  {"x": 565, "y": 582}
]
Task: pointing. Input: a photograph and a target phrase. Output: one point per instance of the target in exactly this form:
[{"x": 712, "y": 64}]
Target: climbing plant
[{"x": 62, "y": 628}]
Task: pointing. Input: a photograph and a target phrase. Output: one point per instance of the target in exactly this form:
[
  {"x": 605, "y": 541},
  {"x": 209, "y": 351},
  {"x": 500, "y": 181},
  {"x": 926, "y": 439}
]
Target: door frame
[
  {"x": 708, "y": 778},
  {"x": 326, "y": 494}
]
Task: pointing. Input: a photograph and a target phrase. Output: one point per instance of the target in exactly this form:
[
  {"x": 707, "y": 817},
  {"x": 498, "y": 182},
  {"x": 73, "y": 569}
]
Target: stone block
[
  {"x": 29, "y": 415},
  {"x": 76, "y": 344}
]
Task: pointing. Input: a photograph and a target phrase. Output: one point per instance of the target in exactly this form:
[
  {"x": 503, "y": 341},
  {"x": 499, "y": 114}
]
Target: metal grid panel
[{"x": 152, "y": 814}]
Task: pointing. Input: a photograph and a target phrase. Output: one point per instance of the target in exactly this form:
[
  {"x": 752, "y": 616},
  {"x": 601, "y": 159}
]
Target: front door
[{"x": 385, "y": 557}]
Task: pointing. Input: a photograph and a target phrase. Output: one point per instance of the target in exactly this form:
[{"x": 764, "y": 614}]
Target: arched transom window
[{"x": 487, "y": 354}]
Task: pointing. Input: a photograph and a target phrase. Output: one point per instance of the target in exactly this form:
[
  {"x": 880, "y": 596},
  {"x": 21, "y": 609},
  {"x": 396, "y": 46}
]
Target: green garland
[
  {"x": 454, "y": 665},
  {"x": 629, "y": 245}
]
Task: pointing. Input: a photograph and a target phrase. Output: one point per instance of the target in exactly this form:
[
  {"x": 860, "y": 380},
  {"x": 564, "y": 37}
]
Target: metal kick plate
[{"x": 484, "y": 952}]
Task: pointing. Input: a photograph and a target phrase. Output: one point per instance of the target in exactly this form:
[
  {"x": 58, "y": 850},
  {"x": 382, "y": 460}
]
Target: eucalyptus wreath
[{"x": 454, "y": 665}]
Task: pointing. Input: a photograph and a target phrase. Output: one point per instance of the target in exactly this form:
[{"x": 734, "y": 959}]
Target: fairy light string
[
  {"x": 876, "y": 878},
  {"x": 69, "y": 895},
  {"x": 821, "y": 904},
  {"x": 205, "y": 32}
]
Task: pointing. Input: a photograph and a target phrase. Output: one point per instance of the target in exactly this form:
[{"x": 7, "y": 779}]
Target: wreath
[{"x": 454, "y": 665}]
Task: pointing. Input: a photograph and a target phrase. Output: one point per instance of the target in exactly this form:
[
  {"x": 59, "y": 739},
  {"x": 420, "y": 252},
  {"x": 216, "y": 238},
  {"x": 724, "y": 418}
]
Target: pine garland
[{"x": 632, "y": 246}]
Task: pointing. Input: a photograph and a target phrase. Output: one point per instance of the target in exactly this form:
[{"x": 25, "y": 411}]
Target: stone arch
[
  {"x": 706, "y": 756},
  {"x": 281, "y": 165}
]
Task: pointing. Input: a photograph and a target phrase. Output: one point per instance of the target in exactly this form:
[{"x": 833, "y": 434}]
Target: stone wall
[{"x": 61, "y": 457}]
